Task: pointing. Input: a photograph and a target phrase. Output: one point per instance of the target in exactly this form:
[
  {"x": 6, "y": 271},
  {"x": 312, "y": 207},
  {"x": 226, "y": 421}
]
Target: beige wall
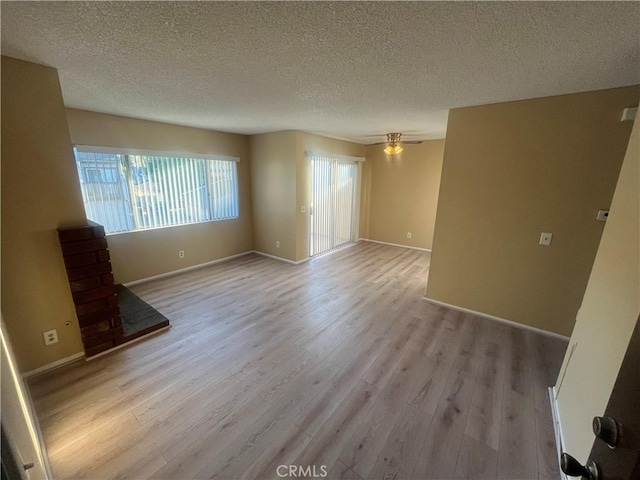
[
  {"x": 138, "y": 255},
  {"x": 281, "y": 182},
  {"x": 39, "y": 194},
  {"x": 308, "y": 142},
  {"x": 403, "y": 193},
  {"x": 514, "y": 170},
  {"x": 273, "y": 175},
  {"x": 608, "y": 313}
]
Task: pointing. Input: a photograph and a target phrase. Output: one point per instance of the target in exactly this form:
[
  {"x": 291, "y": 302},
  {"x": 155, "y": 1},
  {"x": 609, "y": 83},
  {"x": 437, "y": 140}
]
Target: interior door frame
[{"x": 19, "y": 420}]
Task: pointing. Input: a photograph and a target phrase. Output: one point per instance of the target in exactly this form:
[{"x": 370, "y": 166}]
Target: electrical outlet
[
  {"x": 277, "y": 243},
  {"x": 545, "y": 239},
  {"x": 602, "y": 215},
  {"x": 408, "y": 234},
  {"x": 50, "y": 337},
  {"x": 181, "y": 254}
]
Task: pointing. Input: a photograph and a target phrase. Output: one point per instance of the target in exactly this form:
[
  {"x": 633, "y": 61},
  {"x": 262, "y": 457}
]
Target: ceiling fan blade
[{"x": 402, "y": 142}]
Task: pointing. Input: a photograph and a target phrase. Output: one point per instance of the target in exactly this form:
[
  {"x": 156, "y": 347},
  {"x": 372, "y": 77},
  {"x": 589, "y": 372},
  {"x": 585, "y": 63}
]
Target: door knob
[
  {"x": 573, "y": 468},
  {"x": 607, "y": 430}
]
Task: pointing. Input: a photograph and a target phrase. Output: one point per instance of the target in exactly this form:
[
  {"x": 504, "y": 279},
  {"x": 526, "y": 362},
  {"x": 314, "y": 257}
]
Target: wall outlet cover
[
  {"x": 629, "y": 113},
  {"x": 545, "y": 238},
  {"x": 50, "y": 337},
  {"x": 602, "y": 215}
]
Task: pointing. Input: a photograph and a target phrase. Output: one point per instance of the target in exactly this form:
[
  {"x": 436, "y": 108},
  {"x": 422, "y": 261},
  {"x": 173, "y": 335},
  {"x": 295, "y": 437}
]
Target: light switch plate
[
  {"x": 545, "y": 238},
  {"x": 303, "y": 209}
]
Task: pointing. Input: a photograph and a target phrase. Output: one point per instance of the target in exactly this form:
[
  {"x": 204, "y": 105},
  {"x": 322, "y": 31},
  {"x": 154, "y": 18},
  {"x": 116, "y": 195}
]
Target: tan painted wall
[
  {"x": 273, "y": 175},
  {"x": 138, "y": 255},
  {"x": 308, "y": 142},
  {"x": 281, "y": 182},
  {"x": 404, "y": 193},
  {"x": 39, "y": 195},
  {"x": 514, "y": 170},
  {"x": 608, "y": 313}
]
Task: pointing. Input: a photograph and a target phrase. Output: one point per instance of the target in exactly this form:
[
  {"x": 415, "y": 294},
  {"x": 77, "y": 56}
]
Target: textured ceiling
[{"x": 346, "y": 69}]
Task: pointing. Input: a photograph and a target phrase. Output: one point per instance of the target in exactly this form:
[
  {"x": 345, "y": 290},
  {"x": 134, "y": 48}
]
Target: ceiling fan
[{"x": 394, "y": 143}]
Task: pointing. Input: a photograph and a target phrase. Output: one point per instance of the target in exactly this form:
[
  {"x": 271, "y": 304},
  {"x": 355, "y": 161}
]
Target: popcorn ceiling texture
[{"x": 347, "y": 69}]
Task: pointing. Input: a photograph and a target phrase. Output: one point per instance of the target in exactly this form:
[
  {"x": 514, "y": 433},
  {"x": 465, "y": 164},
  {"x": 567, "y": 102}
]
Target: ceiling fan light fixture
[
  {"x": 393, "y": 149},
  {"x": 393, "y": 144}
]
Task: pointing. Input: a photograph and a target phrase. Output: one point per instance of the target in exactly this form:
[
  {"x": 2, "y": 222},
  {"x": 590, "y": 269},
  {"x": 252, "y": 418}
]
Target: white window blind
[{"x": 128, "y": 190}]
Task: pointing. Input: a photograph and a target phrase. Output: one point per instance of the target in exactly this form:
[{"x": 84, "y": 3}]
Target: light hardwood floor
[{"x": 337, "y": 362}]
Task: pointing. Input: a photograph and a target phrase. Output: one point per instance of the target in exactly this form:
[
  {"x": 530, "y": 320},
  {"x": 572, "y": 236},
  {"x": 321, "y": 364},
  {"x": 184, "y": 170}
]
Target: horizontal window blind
[{"x": 128, "y": 192}]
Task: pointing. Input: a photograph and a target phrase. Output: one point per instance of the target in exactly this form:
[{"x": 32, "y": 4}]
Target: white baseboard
[
  {"x": 187, "y": 269},
  {"x": 135, "y": 340},
  {"x": 281, "y": 259},
  {"x": 80, "y": 355},
  {"x": 304, "y": 260},
  {"x": 53, "y": 365},
  {"x": 395, "y": 245},
  {"x": 220, "y": 260},
  {"x": 557, "y": 427},
  {"x": 275, "y": 257},
  {"x": 337, "y": 249},
  {"x": 498, "y": 319}
]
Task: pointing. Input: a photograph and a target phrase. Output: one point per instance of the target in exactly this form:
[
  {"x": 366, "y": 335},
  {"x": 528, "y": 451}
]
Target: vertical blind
[
  {"x": 333, "y": 202},
  {"x": 126, "y": 192}
]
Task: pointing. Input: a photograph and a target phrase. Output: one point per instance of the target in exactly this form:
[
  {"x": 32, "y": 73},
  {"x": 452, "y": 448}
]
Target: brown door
[{"x": 616, "y": 447}]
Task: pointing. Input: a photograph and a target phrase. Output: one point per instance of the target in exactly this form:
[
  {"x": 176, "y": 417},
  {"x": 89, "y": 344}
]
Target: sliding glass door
[{"x": 333, "y": 204}]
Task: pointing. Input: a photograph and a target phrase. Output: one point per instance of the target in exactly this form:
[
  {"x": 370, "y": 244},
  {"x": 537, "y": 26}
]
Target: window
[
  {"x": 127, "y": 190},
  {"x": 100, "y": 175}
]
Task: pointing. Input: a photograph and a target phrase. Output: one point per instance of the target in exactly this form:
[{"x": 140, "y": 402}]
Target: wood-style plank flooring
[{"x": 338, "y": 362}]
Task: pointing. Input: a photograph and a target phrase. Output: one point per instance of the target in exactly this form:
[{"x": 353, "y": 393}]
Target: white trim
[
  {"x": 557, "y": 427},
  {"x": 333, "y": 250},
  {"x": 305, "y": 260},
  {"x": 150, "y": 229},
  {"x": 355, "y": 214},
  {"x": 358, "y": 193},
  {"x": 21, "y": 406},
  {"x": 183, "y": 270},
  {"x": 53, "y": 365},
  {"x": 154, "y": 153},
  {"x": 77, "y": 356},
  {"x": 498, "y": 319},
  {"x": 130, "y": 342},
  {"x": 282, "y": 259},
  {"x": 395, "y": 245},
  {"x": 334, "y": 156}
]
